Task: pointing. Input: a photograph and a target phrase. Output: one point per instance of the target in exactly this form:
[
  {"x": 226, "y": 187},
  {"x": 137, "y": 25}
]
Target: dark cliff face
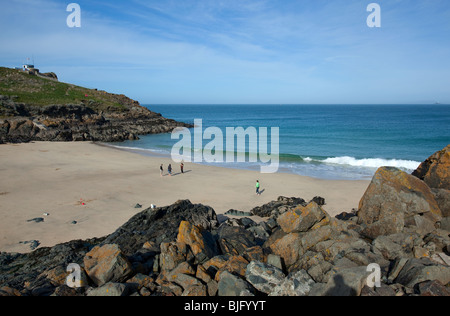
[{"x": 20, "y": 122}]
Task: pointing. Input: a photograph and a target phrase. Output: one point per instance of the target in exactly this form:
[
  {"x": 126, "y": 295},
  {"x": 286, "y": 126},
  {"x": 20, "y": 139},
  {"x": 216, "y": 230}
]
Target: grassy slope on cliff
[{"x": 38, "y": 91}]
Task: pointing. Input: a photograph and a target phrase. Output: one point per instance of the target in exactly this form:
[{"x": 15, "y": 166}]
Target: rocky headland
[
  {"x": 35, "y": 108},
  {"x": 401, "y": 226}
]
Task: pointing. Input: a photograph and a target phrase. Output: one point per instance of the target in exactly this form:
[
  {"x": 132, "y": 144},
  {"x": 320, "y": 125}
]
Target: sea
[{"x": 334, "y": 142}]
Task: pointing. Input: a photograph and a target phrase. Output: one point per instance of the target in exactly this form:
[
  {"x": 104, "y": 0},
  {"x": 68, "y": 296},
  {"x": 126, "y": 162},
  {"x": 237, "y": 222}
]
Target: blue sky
[{"x": 238, "y": 51}]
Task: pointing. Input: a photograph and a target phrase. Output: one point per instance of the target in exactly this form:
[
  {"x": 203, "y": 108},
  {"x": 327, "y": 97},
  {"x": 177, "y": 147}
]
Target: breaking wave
[{"x": 368, "y": 162}]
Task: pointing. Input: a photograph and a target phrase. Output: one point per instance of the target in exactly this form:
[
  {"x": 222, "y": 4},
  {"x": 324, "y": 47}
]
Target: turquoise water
[{"x": 323, "y": 141}]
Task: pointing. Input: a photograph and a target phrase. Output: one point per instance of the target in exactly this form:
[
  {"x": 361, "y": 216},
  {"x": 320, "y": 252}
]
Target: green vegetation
[{"x": 38, "y": 91}]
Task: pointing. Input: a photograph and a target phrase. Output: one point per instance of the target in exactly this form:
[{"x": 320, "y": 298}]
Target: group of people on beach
[{"x": 169, "y": 169}]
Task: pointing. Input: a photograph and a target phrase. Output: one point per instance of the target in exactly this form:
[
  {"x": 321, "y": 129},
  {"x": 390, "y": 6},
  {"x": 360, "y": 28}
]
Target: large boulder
[
  {"x": 235, "y": 240},
  {"x": 107, "y": 264},
  {"x": 313, "y": 237},
  {"x": 236, "y": 265},
  {"x": 442, "y": 197},
  {"x": 395, "y": 199},
  {"x": 199, "y": 240},
  {"x": 445, "y": 224},
  {"x": 302, "y": 218},
  {"x": 9, "y": 292},
  {"x": 395, "y": 245},
  {"x": 296, "y": 284},
  {"x": 231, "y": 285},
  {"x": 275, "y": 208},
  {"x": 109, "y": 289},
  {"x": 435, "y": 171},
  {"x": 161, "y": 225},
  {"x": 347, "y": 282},
  {"x": 432, "y": 288},
  {"x": 264, "y": 277},
  {"x": 172, "y": 254},
  {"x": 288, "y": 248},
  {"x": 414, "y": 271}
]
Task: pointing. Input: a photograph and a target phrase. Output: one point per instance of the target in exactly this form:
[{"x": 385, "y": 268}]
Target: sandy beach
[{"x": 58, "y": 178}]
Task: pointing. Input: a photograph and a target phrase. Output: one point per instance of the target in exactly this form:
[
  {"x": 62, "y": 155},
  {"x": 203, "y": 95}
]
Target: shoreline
[
  {"x": 57, "y": 178},
  {"x": 344, "y": 168}
]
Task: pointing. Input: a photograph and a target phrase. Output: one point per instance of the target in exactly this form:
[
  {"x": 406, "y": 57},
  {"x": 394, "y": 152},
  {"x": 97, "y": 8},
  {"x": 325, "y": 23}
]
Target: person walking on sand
[
  {"x": 257, "y": 188},
  {"x": 161, "y": 170},
  {"x": 169, "y": 169},
  {"x": 182, "y": 167}
]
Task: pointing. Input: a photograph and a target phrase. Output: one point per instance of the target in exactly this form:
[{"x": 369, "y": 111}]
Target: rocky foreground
[{"x": 401, "y": 226}]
